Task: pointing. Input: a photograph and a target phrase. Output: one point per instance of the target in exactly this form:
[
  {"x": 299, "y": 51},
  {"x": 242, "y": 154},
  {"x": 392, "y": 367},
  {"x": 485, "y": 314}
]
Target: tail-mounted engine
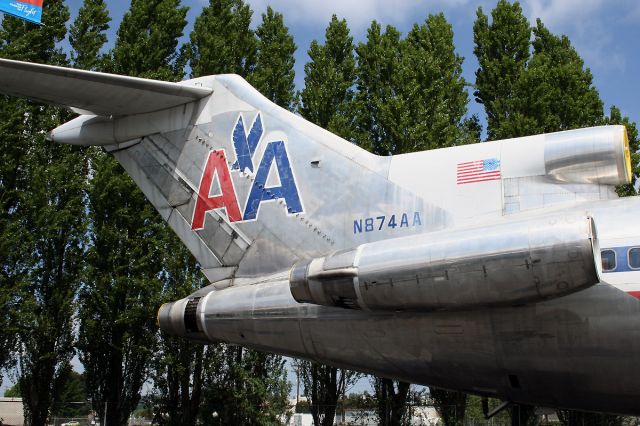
[{"x": 504, "y": 264}]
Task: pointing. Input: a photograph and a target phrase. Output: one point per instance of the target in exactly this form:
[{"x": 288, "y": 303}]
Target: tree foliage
[
  {"x": 324, "y": 386},
  {"x": 615, "y": 117},
  {"x": 555, "y": 92},
  {"x": 379, "y": 102},
  {"x": 274, "y": 74},
  {"x": 147, "y": 40},
  {"x": 46, "y": 198},
  {"x": 118, "y": 334},
  {"x": 178, "y": 368},
  {"x": 118, "y": 302},
  {"x": 222, "y": 40},
  {"x": 244, "y": 387},
  {"x": 503, "y": 51},
  {"x": 87, "y": 35},
  {"x": 450, "y": 405},
  {"x": 391, "y": 401},
  {"x": 411, "y": 95},
  {"x": 547, "y": 91},
  {"x": 327, "y": 96}
]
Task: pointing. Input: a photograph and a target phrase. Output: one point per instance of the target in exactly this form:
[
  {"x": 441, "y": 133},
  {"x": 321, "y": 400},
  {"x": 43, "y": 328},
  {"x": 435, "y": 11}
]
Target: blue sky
[{"x": 605, "y": 33}]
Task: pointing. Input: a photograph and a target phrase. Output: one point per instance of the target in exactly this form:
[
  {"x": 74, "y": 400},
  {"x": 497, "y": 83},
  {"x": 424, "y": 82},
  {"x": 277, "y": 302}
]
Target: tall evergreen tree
[
  {"x": 43, "y": 190},
  {"x": 503, "y": 51},
  {"x": 123, "y": 290},
  {"x": 391, "y": 399},
  {"x": 222, "y": 40},
  {"x": 328, "y": 93},
  {"x": 117, "y": 330},
  {"x": 87, "y": 34},
  {"x": 274, "y": 74}
]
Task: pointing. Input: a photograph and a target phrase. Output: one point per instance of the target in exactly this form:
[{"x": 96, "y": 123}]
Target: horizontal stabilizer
[{"x": 97, "y": 93}]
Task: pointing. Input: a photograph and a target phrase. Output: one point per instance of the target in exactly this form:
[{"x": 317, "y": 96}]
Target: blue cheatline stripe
[
  {"x": 622, "y": 259},
  {"x": 25, "y": 11}
]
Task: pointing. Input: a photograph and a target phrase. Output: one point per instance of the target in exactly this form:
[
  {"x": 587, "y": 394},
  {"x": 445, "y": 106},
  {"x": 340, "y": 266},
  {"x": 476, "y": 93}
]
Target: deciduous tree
[
  {"x": 222, "y": 40},
  {"x": 327, "y": 96},
  {"x": 118, "y": 334},
  {"x": 503, "y": 51},
  {"x": 87, "y": 35},
  {"x": 274, "y": 74}
]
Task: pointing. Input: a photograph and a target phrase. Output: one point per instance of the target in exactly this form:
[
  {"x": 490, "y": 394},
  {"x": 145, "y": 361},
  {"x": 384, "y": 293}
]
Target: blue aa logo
[{"x": 245, "y": 145}]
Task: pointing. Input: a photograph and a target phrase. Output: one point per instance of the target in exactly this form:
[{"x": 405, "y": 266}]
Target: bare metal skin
[{"x": 505, "y": 268}]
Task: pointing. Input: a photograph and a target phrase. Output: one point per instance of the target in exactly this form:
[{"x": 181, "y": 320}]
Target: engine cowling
[{"x": 505, "y": 264}]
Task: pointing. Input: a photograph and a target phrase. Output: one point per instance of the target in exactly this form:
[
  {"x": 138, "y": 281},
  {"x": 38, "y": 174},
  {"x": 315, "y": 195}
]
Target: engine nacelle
[{"x": 506, "y": 264}]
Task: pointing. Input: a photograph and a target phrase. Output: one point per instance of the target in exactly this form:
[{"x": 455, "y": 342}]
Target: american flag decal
[{"x": 478, "y": 171}]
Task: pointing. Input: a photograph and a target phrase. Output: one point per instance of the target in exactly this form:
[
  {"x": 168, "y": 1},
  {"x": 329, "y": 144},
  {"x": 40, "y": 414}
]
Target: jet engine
[{"x": 505, "y": 264}]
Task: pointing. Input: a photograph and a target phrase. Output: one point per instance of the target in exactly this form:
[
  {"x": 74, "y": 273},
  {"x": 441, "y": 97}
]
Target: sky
[{"x": 604, "y": 32}]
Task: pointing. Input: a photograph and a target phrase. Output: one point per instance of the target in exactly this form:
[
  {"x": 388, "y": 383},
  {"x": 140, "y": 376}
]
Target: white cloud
[
  {"x": 562, "y": 12},
  {"x": 358, "y": 13},
  {"x": 587, "y": 23}
]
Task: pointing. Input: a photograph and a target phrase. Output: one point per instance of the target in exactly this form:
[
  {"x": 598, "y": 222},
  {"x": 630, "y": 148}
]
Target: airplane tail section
[
  {"x": 252, "y": 189},
  {"x": 249, "y": 187}
]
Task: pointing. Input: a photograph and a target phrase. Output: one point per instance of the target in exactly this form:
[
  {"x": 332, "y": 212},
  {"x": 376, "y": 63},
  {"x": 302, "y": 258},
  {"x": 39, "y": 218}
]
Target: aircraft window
[
  {"x": 608, "y": 260},
  {"x": 634, "y": 258}
]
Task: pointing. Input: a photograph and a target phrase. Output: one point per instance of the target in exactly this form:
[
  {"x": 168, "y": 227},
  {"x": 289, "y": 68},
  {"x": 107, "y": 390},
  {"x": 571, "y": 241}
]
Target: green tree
[
  {"x": 327, "y": 96},
  {"x": 244, "y": 387},
  {"x": 503, "y": 51},
  {"x": 222, "y": 40},
  {"x": 615, "y": 117},
  {"x": 434, "y": 89},
  {"x": 379, "y": 104},
  {"x": 324, "y": 386},
  {"x": 13, "y": 392},
  {"x": 555, "y": 92},
  {"x": 147, "y": 40},
  {"x": 178, "y": 367},
  {"x": 391, "y": 398},
  {"x": 117, "y": 335},
  {"x": 71, "y": 399},
  {"x": 274, "y": 74},
  {"x": 326, "y": 100},
  {"x": 523, "y": 93},
  {"x": 572, "y": 417},
  {"x": 20, "y": 40},
  {"x": 450, "y": 405},
  {"x": 44, "y": 267},
  {"x": 87, "y": 35},
  {"x": 411, "y": 96}
]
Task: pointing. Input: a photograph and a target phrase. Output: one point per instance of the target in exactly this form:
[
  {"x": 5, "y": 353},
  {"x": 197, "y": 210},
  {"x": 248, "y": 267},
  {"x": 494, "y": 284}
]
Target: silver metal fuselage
[
  {"x": 476, "y": 268},
  {"x": 578, "y": 351}
]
